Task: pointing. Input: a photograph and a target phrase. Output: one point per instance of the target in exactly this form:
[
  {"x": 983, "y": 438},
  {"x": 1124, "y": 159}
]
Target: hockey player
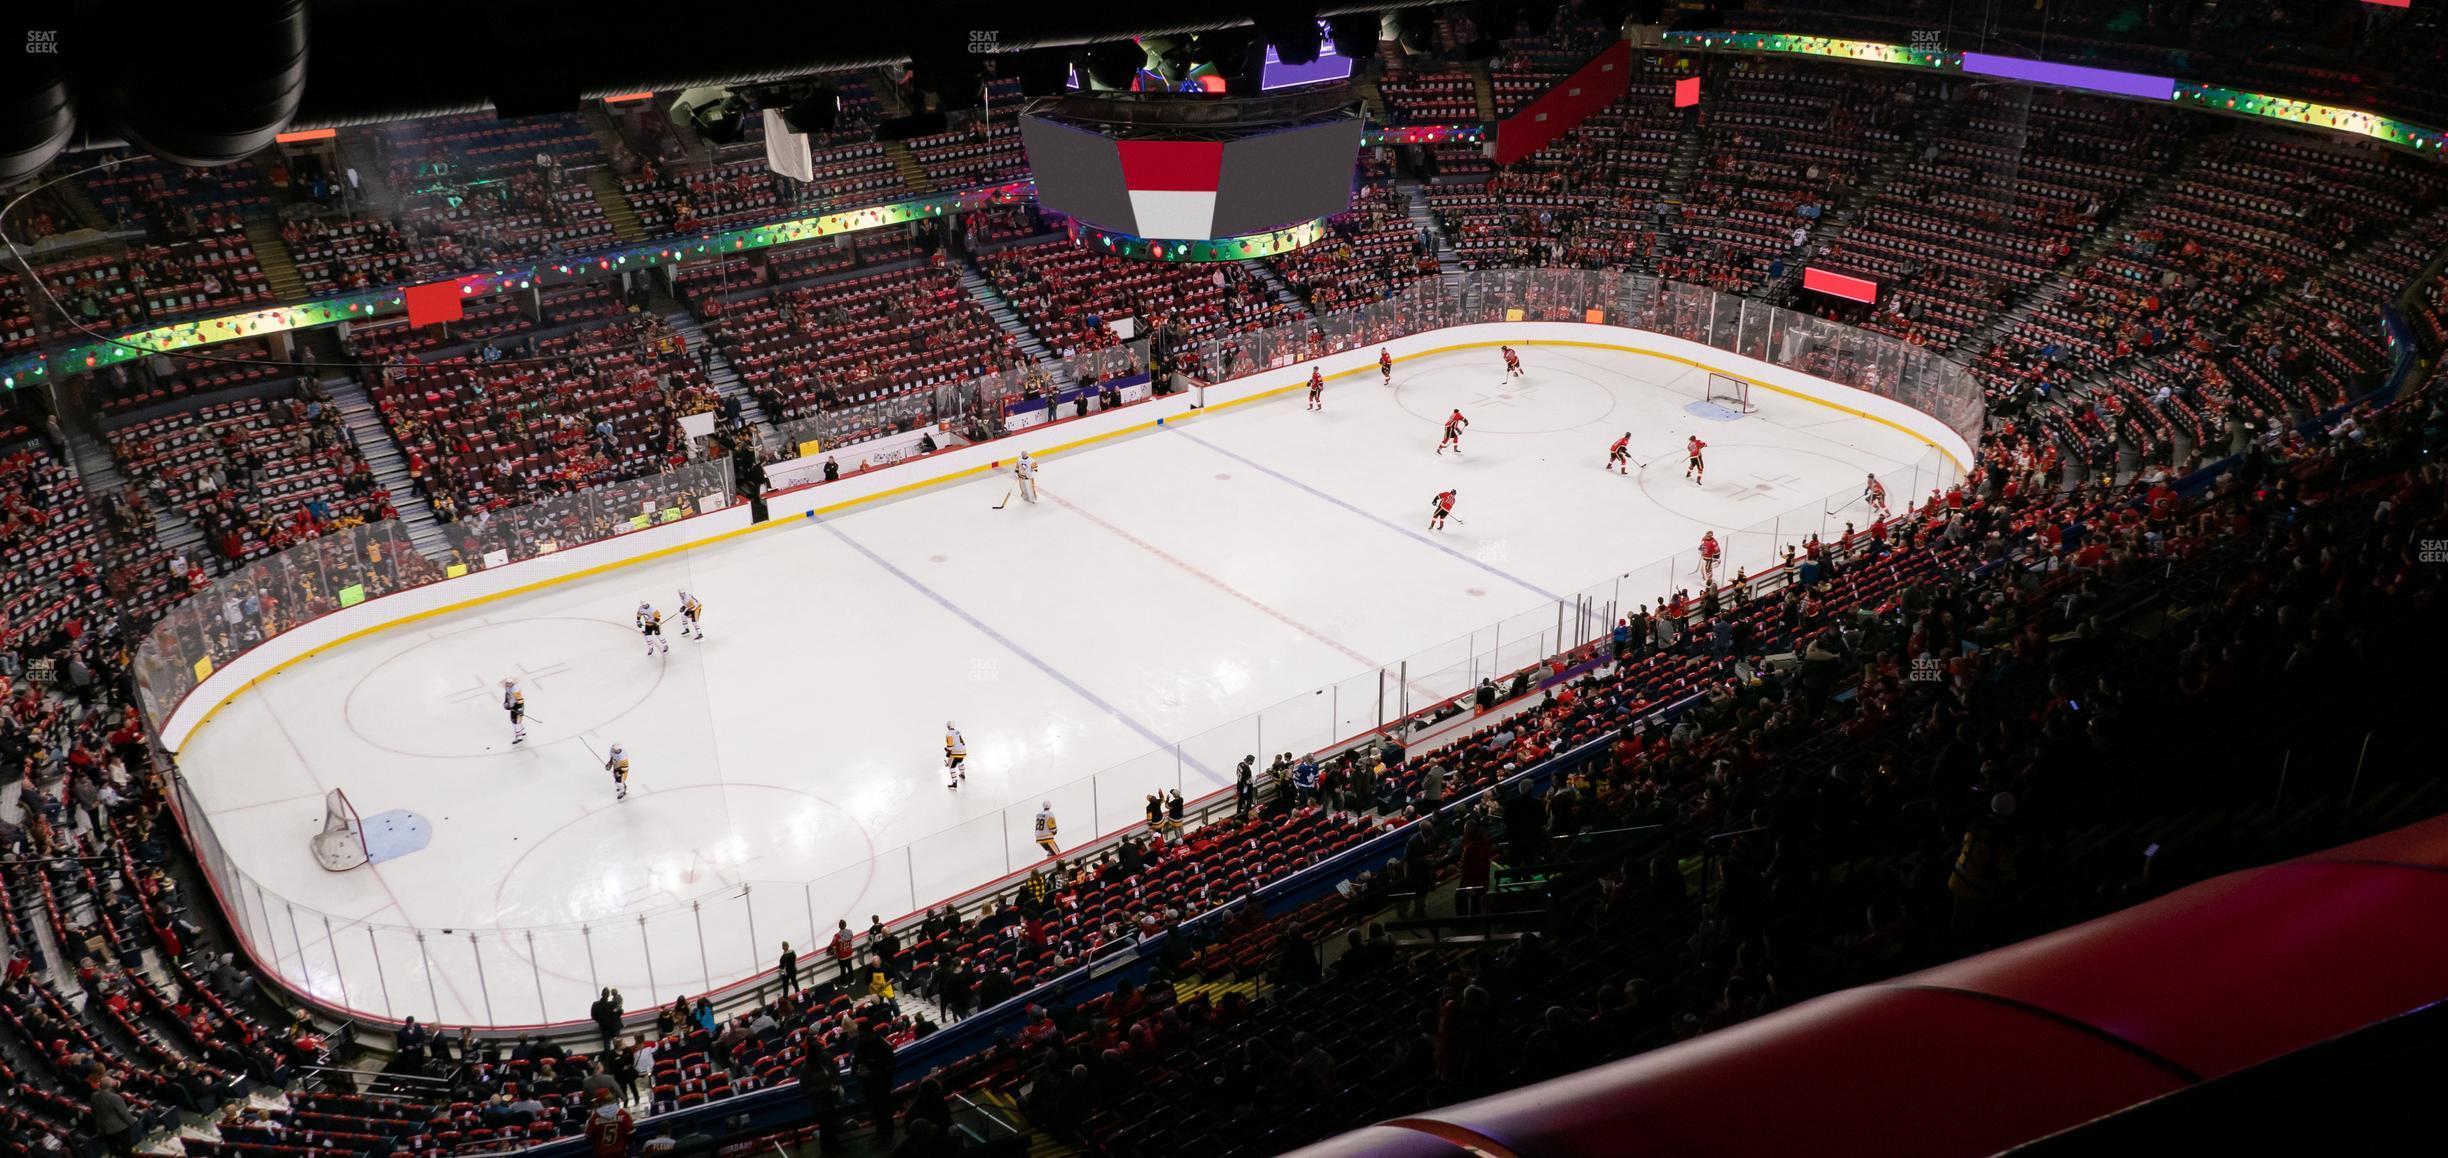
[
  {"x": 1620, "y": 454},
  {"x": 956, "y": 756},
  {"x": 1694, "y": 467},
  {"x": 616, "y": 762},
  {"x": 1385, "y": 365},
  {"x": 1709, "y": 554},
  {"x": 1440, "y": 507},
  {"x": 650, "y": 625},
  {"x": 1512, "y": 361},
  {"x": 644, "y": 610},
  {"x": 1875, "y": 493},
  {"x": 514, "y": 702},
  {"x": 1317, "y": 389},
  {"x": 1453, "y": 431},
  {"x": 692, "y": 616},
  {"x": 1024, "y": 472},
  {"x": 1044, "y": 828}
]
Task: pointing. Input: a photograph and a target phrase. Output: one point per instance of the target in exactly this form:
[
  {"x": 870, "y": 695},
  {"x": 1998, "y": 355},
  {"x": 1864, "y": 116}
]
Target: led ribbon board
[
  {"x": 372, "y": 304},
  {"x": 1792, "y": 44},
  {"x": 1272, "y": 243},
  {"x": 2135, "y": 85}
]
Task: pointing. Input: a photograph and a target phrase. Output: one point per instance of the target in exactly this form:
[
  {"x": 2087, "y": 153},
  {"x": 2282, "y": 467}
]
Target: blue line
[
  {"x": 1371, "y": 516},
  {"x": 1010, "y": 645}
]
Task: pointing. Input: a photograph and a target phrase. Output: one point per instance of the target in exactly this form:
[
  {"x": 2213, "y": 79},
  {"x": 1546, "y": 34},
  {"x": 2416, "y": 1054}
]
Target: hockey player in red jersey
[
  {"x": 1620, "y": 453},
  {"x": 1385, "y": 365},
  {"x": 1709, "y": 554},
  {"x": 1440, "y": 507},
  {"x": 1695, "y": 468},
  {"x": 1512, "y": 361},
  {"x": 1317, "y": 389},
  {"x": 1875, "y": 493},
  {"x": 1453, "y": 432}
]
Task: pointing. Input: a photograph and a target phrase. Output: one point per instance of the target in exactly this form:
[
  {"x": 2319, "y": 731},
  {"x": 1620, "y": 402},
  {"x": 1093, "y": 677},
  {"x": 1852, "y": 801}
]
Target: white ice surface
[{"x": 787, "y": 769}]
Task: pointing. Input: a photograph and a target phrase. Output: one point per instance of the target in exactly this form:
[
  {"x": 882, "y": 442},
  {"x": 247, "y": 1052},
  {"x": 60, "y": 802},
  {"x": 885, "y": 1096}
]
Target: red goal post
[
  {"x": 341, "y": 845},
  {"x": 1729, "y": 391}
]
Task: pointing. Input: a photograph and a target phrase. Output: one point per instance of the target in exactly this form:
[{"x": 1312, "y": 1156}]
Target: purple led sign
[
  {"x": 1330, "y": 65},
  {"x": 2127, "y": 84}
]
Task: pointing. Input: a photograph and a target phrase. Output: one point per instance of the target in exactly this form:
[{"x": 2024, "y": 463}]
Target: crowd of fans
[
  {"x": 1069, "y": 295},
  {"x": 484, "y": 431},
  {"x": 1902, "y": 745}
]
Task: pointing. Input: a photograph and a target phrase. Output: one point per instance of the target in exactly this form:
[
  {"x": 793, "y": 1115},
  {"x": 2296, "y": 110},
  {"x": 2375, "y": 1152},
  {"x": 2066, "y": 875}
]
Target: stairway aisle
[
  {"x": 606, "y": 186},
  {"x": 2111, "y": 229},
  {"x": 1425, "y": 219},
  {"x": 991, "y": 300},
  {"x": 1277, "y": 287},
  {"x": 1936, "y": 120},
  {"x": 98, "y": 469},
  {"x": 390, "y": 465},
  {"x": 273, "y": 257},
  {"x": 906, "y": 163},
  {"x": 720, "y": 371}
]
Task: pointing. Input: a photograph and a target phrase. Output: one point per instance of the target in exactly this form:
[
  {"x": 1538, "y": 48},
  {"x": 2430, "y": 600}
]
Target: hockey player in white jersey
[
  {"x": 1024, "y": 470},
  {"x": 514, "y": 701},
  {"x": 616, "y": 762},
  {"x": 692, "y": 616},
  {"x": 956, "y": 756}
]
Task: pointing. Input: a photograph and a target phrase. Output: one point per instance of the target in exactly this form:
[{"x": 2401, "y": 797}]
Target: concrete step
[
  {"x": 389, "y": 463},
  {"x": 606, "y": 186},
  {"x": 990, "y": 299},
  {"x": 272, "y": 256},
  {"x": 906, "y": 163},
  {"x": 721, "y": 373}
]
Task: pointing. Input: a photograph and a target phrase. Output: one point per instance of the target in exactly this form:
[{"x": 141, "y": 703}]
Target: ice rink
[{"x": 1114, "y": 639}]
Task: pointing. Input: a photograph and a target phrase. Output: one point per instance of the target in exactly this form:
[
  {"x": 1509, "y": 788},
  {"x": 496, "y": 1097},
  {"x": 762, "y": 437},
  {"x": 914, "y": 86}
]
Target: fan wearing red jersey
[{"x": 1453, "y": 432}]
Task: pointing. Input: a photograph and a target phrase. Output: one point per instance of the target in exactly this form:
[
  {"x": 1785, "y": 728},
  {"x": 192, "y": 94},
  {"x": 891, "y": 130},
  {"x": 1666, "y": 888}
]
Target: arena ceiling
[{"x": 210, "y": 86}]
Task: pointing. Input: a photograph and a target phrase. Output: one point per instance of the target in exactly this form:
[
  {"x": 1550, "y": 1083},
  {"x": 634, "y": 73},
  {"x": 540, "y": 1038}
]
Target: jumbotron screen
[{"x": 1191, "y": 190}]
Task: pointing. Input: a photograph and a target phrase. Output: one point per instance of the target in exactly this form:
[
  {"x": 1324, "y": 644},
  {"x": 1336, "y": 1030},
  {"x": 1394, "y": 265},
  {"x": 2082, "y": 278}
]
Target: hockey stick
[
  {"x": 1844, "y": 504},
  {"x": 1006, "y": 499}
]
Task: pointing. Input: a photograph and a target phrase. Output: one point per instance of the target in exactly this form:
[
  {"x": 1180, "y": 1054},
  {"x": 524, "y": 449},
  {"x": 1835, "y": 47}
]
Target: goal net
[
  {"x": 1729, "y": 391},
  {"x": 341, "y": 845}
]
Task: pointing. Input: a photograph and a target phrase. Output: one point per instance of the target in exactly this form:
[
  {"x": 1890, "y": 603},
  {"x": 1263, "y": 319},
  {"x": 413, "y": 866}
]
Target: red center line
[{"x": 1216, "y": 583}]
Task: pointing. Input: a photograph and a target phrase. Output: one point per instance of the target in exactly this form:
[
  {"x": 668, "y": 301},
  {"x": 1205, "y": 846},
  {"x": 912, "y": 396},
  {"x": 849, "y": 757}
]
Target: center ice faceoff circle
[{"x": 441, "y": 696}]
